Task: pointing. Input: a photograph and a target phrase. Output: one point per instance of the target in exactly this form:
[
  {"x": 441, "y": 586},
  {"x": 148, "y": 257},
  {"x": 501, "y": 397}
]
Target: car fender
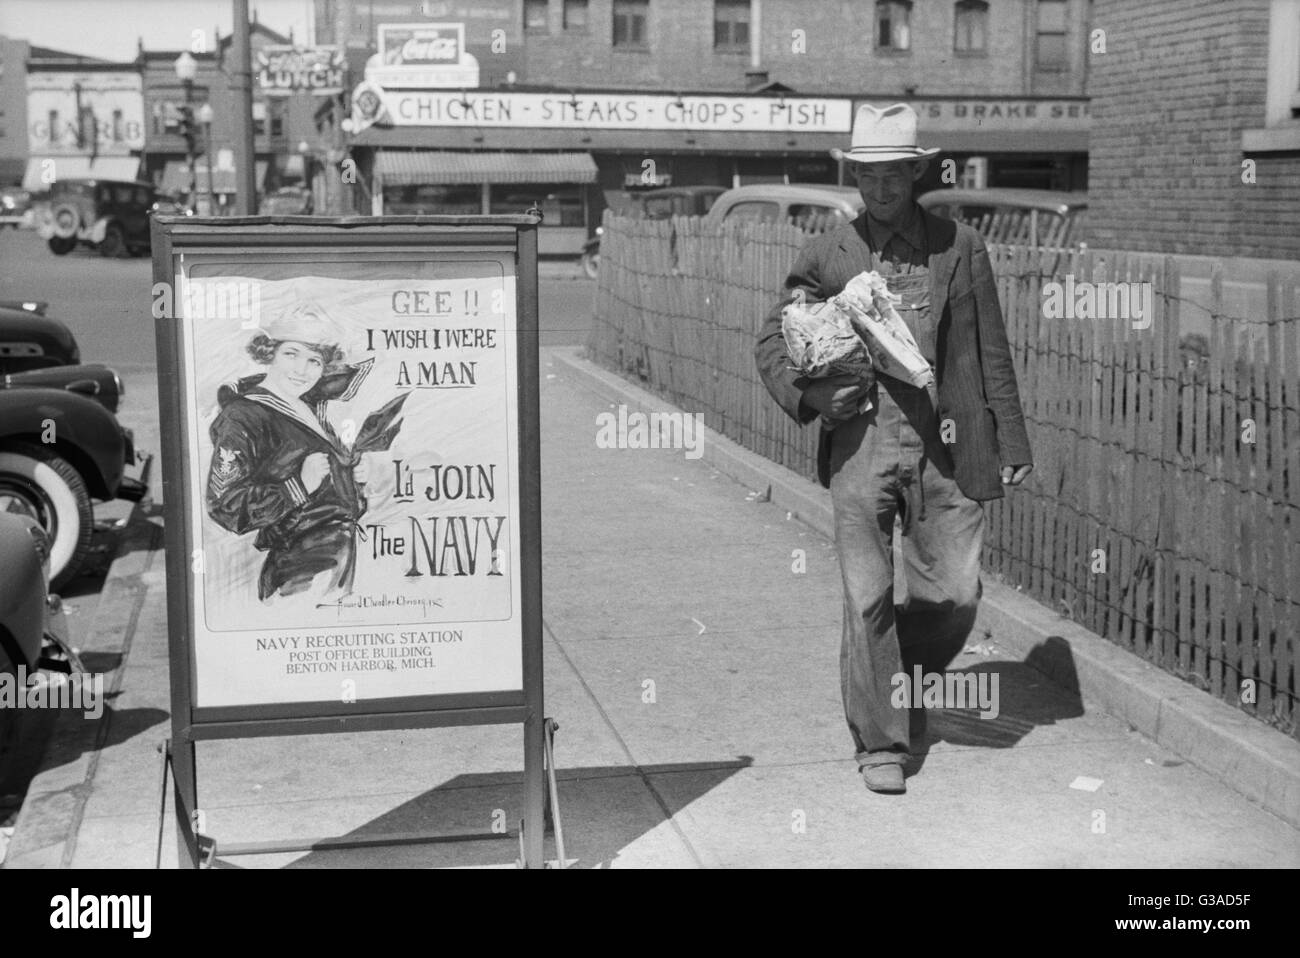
[
  {"x": 83, "y": 432},
  {"x": 22, "y": 590},
  {"x": 100, "y": 229}
]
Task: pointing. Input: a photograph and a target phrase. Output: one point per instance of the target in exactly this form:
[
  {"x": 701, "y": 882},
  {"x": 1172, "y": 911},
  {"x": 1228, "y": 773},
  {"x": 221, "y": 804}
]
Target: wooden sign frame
[{"x": 420, "y": 238}]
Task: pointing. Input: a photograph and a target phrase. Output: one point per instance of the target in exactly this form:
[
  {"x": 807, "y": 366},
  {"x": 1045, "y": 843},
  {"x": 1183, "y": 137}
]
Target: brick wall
[
  {"x": 840, "y": 51},
  {"x": 1179, "y": 82}
]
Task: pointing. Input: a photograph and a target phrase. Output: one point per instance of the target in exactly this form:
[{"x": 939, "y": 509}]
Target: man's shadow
[{"x": 1042, "y": 690}]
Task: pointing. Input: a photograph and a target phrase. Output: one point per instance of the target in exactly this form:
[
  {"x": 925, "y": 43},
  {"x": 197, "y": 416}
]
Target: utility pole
[
  {"x": 241, "y": 84},
  {"x": 334, "y": 192}
]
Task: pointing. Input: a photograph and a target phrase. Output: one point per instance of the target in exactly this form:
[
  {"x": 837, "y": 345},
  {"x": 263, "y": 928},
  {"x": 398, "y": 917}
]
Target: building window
[
  {"x": 575, "y": 15},
  {"x": 1282, "y": 92},
  {"x": 731, "y": 20},
  {"x": 630, "y": 18},
  {"x": 971, "y": 26},
  {"x": 264, "y": 110},
  {"x": 1050, "y": 52},
  {"x": 536, "y": 16},
  {"x": 893, "y": 25}
]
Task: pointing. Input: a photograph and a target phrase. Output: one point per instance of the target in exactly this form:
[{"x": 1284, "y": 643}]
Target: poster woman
[{"x": 279, "y": 467}]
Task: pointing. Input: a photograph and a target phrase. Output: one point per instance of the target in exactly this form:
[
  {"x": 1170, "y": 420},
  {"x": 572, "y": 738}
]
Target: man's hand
[
  {"x": 1015, "y": 475},
  {"x": 836, "y": 397}
]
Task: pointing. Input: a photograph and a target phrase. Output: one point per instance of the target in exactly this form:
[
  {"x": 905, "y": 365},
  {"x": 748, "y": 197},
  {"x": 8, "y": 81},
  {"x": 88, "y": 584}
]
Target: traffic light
[{"x": 189, "y": 128}]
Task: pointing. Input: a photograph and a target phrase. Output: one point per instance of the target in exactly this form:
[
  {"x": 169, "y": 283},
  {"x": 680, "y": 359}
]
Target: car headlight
[{"x": 121, "y": 389}]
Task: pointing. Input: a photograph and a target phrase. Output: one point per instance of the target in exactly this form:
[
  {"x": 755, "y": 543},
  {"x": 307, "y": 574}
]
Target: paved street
[{"x": 692, "y": 670}]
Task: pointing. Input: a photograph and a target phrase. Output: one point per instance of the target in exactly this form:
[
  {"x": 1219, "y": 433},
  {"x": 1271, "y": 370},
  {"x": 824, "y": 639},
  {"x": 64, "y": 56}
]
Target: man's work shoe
[{"x": 886, "y": 778}]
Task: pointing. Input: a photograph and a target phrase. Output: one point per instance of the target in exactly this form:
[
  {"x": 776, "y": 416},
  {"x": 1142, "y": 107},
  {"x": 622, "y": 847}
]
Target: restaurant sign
[
  {"x": 285, "y": 70},
  {"x": 375, "y": 105}
]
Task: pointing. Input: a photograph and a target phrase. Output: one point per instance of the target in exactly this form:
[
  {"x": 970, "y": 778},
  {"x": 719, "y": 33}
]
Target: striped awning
[{"x": 418, "y": 167}]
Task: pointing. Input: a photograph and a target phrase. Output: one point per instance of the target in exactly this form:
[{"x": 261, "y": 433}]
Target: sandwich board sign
[{"x": 351, "y": 474}]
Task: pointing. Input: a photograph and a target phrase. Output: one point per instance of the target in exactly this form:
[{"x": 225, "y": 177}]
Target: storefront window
[
  {"x": 560, "y": 203},
  {"x": 419, "y": 200}
]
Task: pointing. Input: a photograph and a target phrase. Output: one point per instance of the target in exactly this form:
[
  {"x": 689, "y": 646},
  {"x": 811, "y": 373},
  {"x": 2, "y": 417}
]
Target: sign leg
[
  {"x": 186, "y": 800},
  {"x": 534, "y": 791}
]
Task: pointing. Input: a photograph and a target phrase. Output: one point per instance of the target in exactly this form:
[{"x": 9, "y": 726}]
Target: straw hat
[{"x": 883, "y": 135}]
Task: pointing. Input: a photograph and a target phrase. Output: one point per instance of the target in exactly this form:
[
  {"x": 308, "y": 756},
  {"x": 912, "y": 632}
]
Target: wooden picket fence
[{"x": 1164, "y": 508}]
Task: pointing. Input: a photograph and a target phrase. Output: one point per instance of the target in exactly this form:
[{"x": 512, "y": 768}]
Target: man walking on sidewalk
[{"x": 933, "y": 466}]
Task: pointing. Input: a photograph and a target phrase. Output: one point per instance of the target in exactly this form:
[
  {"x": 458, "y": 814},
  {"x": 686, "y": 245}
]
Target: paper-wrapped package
[
  {"x": 893, "y": 350},
  {"x": 821, "y": 341}
]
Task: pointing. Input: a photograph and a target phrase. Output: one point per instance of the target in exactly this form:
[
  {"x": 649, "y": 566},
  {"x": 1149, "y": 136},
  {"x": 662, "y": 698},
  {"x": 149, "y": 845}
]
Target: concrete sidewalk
[{"x": 693, "y": 673}]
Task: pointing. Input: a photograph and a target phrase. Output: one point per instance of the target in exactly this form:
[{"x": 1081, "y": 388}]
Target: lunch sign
[
  {"x": 286, "y": 70},
  {"x": 351, "y": 447}
]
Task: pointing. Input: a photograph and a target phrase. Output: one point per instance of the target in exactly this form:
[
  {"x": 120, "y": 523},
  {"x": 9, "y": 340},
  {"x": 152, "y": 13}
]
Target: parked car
[
  {"x": 170, "y": 204},
  {"x": 33, "y": 630},
  {"x": 813, "y": 207},
  {"x": 657, "y": 204},
  {"x": 24, "y": 552},
  {"x": 1050, "y": 218},
  {"x": 287, "y": 201},
  {"x": 15, "y": 207},
  {"x": 111, "y": 216},
  {"x": 31, "y": 340},
  {"x": 61, "y": 445}
]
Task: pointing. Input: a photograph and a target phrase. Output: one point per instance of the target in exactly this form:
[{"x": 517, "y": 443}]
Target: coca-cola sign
[
  {"x": 283, "y": 70},
  {"x": 437, "y": 44}
]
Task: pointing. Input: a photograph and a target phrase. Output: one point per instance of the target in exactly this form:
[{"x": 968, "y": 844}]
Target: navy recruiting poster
[{"x": 353, "y": 474}]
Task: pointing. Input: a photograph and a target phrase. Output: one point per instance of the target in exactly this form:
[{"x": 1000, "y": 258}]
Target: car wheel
[
  {"x": 114, "y": 244},
  {"x": 37, "y": 482},
  {"x": 60, "y": 246},
  {"x": 66, "y": 221},
  {"x": 591, "y": 263}
]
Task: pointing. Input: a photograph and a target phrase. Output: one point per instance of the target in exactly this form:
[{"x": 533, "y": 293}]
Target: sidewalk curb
[
  {"x": 45, "y": 832},
  {"x": 1256, "y": 761}
]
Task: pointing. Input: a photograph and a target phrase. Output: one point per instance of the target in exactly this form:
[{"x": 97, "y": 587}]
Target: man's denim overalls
[{"x": 891, "y": 461}]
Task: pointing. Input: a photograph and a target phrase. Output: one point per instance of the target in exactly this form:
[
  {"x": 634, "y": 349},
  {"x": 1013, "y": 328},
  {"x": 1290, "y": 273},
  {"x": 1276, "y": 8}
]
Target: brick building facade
[
  {"x": 812, "y": 47},
  {"x": 1188, "y": 96},
  {"x": 1000, "y": 87}
]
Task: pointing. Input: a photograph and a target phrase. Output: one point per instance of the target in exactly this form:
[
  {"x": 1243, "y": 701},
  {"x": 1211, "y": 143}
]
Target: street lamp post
[
  {"x": 205, "y": 117},
  {"x": 186, "y": 68}
]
